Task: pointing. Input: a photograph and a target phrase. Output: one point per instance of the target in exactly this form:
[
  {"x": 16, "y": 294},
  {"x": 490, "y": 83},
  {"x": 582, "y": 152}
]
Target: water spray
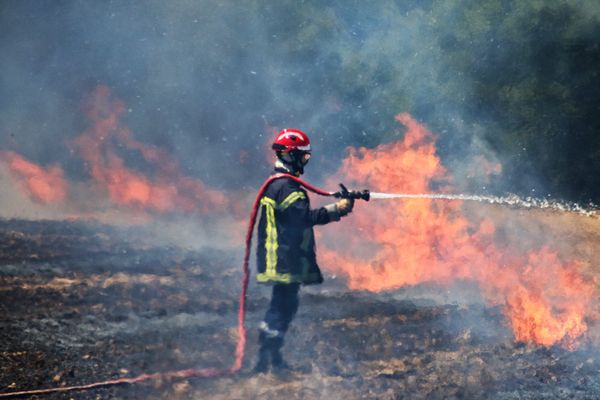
[{"x": 510, "y": 200}]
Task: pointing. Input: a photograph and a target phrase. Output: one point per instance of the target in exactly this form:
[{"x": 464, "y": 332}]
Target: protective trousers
[{"x": 283, "y": 307}]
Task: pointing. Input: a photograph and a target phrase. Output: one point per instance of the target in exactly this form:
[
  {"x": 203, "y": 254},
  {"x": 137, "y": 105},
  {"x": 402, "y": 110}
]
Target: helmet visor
[{"x": 305, "y": 158}]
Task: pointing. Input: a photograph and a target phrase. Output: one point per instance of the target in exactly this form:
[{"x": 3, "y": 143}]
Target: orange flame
[
  {"x": 169, "y": 191},
  {"x": 406, "y": 242},
  {"x": 43, "y": 185}
]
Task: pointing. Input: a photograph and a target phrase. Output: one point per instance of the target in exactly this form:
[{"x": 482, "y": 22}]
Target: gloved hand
[
  {"x": 345, "y": 206},
  {"x": 339, "y": 209}
]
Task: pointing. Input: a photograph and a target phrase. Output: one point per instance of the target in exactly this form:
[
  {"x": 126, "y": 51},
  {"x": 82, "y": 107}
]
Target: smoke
[{"x": 203, "y": 79}]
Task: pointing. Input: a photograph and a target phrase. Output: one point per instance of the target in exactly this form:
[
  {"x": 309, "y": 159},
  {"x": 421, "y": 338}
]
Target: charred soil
[{"x": 82, "y": 302}]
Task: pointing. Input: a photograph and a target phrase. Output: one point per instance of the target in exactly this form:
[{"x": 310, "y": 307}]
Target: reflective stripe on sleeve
[{"x": 290, "y": 199}]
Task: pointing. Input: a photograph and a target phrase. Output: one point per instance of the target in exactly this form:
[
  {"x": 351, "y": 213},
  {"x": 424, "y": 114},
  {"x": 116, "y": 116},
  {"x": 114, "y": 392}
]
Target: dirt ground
[{"x": 83, "y": 302}]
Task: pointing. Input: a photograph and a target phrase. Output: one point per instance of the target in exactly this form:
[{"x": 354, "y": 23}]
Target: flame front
[
  {"x": 43, "y": 185},
  {"x": 169, "y": 191},
  {"x": 105, "y": 148},
  {"x": 382, "y": 246},
  {"x": 391, "y": 244}
]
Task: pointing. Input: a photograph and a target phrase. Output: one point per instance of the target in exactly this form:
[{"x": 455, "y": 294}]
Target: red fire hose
[{"x": 241, "y": 344}]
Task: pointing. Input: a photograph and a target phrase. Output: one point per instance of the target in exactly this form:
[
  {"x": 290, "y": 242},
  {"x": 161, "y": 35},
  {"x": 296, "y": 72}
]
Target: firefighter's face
[{"x": 304, "y": 159}]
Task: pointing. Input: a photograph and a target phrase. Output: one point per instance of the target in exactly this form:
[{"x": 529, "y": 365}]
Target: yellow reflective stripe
[
  {"x": 291, "y": 198},
  {"x": 280, "y": 278},
  {"x": 271, "y": 241},
  {"x": 268, "y": 201},
  {"x": 306, "y": 277}
]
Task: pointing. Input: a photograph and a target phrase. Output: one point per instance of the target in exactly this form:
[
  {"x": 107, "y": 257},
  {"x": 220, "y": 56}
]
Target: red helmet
[{"x": 291, "y": 139}]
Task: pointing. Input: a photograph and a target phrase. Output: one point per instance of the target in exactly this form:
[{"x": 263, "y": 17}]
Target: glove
[
  {"x": 339, "y": 209},
  {"x": 345, "y": 206}
]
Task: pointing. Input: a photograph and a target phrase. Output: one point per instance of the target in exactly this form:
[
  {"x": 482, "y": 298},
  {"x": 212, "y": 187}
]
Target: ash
[{"x": 82, "y": 302}]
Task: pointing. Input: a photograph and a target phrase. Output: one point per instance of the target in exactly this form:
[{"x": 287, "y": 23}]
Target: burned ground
[{"x": 82, "y": 302}]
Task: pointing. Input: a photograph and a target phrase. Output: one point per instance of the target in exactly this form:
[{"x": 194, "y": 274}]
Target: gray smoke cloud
[{"x": 208, "y": 80}]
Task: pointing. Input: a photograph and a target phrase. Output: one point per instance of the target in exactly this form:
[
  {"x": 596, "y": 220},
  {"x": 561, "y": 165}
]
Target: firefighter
[{"x": 286, "y": 255}]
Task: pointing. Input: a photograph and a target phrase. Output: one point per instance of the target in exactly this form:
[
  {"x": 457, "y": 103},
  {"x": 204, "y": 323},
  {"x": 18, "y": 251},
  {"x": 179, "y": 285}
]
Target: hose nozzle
[{"x": 344, "y": 193}]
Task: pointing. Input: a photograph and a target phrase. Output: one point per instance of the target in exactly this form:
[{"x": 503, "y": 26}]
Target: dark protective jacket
[{"x": 286, "y": 242}]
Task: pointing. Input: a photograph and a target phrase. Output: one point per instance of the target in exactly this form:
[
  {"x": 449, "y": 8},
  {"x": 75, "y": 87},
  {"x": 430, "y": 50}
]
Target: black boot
[
  {"x": 282, "y": 368},
  {"x": 264, "y": 353},
  {"x": 277, "y": 361}
]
